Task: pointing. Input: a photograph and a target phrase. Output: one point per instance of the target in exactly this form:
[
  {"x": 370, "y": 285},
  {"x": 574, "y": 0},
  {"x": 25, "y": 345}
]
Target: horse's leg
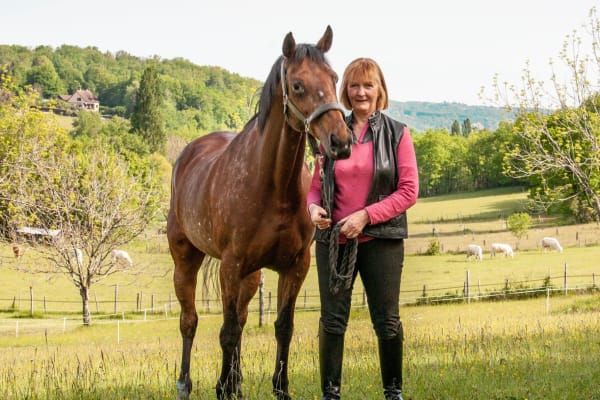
[
  {"x": 289, "y": 285},
  {"x": 187, "y": 261},
  {"x": 235, "y": 294}
]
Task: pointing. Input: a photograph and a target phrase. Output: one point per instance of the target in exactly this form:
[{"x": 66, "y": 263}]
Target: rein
[{"x": 340, "y": 275}]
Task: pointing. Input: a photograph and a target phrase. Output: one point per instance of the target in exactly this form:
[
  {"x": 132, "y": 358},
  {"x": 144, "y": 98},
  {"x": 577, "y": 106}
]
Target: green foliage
[
  {"x": 449, "y": 164},
  {"x": 434, "y": 247},
  {"x": 557, "y": 149},
  {"x": 211, "y": 97},
  {"x": 147, "y": 120},
  {"x": 518, "y": 224},
  {"x": 455, "y": 129},
  {"x": 466, "y": 127}
]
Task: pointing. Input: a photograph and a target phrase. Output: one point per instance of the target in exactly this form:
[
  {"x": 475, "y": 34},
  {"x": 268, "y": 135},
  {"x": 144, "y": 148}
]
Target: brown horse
[{"x": 241, "y": 198}]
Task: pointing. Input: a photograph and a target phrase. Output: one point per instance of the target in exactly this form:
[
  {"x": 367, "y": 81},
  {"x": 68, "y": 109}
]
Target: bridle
[
  {"x": 288, "y": 104},
  {"x": 340, "y": 274}
]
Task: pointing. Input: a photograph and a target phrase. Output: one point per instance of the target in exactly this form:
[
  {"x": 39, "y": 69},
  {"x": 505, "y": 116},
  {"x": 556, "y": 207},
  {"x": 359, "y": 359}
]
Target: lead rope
[{"x": 340, "y": 274}]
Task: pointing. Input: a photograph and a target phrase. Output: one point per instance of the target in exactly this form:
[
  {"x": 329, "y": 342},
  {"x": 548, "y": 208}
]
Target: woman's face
[{"x": 363, "y": 93}]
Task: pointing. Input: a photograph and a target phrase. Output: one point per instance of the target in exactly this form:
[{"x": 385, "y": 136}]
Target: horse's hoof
[
  {"x": 183, "y": 392},
  {"x": 279, "y": 395}
]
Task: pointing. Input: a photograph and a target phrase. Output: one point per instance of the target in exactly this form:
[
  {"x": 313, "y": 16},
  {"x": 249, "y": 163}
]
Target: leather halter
[{"x": 320, "y": 110}]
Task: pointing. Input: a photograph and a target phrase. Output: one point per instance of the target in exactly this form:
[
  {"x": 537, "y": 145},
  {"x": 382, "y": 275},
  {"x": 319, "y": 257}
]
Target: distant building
[
  {"x": 37, "y": 234},
  {"x": 82, "y": 100}
]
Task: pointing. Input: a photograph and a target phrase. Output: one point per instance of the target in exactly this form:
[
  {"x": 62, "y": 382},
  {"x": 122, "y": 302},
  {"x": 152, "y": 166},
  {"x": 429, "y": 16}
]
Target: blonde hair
[{"x": 365, "y": 68}]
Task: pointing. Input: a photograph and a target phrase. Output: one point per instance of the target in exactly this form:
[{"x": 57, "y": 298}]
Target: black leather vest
[{"x": 386, "y": 135}]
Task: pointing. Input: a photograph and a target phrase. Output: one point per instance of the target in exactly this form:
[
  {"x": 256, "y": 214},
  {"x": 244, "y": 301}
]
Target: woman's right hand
[{"x": 318, "y": 216}]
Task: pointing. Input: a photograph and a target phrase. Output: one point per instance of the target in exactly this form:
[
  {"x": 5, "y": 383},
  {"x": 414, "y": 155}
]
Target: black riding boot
[
  {"x": 331, "y": 354},
  {"x": 390, "y": 360}
]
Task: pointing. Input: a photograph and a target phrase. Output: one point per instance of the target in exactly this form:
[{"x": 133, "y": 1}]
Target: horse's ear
[
  {"x": 289, "y": 45},
  {"x": 324, "y": 43}
]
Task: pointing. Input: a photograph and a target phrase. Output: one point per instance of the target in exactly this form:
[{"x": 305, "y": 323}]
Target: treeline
[
  {"x": 199, "y": 99},
  {"x": 458, "y": 163},
  {"x": 196, "y": 99}
]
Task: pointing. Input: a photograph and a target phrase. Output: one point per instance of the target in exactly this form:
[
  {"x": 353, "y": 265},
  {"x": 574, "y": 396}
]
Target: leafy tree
[
  {"x": 455, "y": 130},
  {"x": 557, "y": 136},
  {"x": 44, "y": 78},
  {"x": 147, "y": 119},
  {"x": 87, "y": 123},
  {"x": 96, "y": 199},
  {"x": 484, "y": 157},
  {"x": 518, "y": 224},
  {"x": 466, "y": 127}
]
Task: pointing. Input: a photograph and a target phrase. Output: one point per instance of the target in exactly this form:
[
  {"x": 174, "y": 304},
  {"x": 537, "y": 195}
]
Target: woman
[{"x": 363, "y": 199}]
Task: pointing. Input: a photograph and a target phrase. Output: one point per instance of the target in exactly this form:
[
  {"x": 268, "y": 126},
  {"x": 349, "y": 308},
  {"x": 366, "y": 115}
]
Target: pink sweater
[{"x": 353, "y": 178}]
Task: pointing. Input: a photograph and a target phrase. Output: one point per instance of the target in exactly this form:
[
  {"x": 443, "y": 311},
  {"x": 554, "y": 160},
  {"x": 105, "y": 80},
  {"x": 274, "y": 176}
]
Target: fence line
[
  {"x": 263, "y": 305},
  {"x": 17, "y": 327}
]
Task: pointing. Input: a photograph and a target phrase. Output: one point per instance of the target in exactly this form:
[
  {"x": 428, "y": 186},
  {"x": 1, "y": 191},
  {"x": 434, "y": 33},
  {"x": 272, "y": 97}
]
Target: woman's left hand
[{"x": 354, "y": 223}]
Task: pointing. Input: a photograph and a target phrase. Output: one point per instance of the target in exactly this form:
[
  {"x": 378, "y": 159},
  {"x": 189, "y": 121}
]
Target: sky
[{"x": 429, "y": 50}]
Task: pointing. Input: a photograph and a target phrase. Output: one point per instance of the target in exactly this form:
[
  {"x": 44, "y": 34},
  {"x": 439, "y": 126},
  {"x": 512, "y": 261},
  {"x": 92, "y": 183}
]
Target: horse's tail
[{"x": 210, "y": 277}]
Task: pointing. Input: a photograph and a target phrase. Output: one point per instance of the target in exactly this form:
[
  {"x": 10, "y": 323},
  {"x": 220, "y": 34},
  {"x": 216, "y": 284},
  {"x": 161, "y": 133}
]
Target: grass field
[{"x": 540, "y": 348}]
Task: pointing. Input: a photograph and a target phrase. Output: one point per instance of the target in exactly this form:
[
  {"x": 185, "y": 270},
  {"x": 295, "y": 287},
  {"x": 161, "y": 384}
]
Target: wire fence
[{"x": 30, "y": 315}]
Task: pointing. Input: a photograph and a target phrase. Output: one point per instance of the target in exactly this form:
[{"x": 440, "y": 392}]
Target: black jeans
[{"x": 379, "y": 263}]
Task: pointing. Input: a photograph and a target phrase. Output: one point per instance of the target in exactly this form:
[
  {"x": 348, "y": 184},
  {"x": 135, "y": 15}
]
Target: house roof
[
  {"x": 26, "y": 230},
  {"x": 86, "y": 96}
]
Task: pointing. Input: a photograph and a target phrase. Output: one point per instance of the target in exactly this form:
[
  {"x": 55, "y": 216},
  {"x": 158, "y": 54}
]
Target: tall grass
[
  {"x": 544, "y": 348},
  {"x": 510, "y": 350}
]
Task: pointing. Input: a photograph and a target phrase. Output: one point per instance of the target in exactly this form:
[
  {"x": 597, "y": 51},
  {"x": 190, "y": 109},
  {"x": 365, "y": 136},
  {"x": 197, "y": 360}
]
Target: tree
[
  {"x": 466, "y": 127},
  {"x": 518, "y": 224},
  {"x": 96, "y": 199},
  {"x": 147, "y": 119},
  {"x": 44, "y": 78},
  {"x": 455, "y": 130},
  {"x": 558, "y": 134}
]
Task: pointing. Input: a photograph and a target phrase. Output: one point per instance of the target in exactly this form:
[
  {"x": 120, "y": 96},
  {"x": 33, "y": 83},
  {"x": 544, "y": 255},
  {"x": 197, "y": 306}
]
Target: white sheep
[
  {"x": 502, "y": 248},
  {"x": 120, "y": 256},
  {"x": 475, "y": 251},
  {"x": 552, "y": 244}
]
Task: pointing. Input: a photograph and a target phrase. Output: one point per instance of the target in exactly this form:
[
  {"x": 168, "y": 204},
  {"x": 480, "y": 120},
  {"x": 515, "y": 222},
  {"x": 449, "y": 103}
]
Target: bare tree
[{"x": 98, "y": 204}]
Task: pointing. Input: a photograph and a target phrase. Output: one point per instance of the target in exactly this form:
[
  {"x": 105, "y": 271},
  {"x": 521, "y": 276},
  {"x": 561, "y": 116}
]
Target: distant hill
[{"x": 420, "y": 116}]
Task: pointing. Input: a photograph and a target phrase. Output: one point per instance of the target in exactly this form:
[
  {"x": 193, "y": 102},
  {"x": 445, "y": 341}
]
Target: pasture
[{"x": 539, "y": 348}]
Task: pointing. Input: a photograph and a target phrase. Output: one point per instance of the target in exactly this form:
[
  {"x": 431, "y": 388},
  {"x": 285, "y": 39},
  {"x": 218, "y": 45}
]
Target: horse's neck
[{"x": 282, "y": 157}]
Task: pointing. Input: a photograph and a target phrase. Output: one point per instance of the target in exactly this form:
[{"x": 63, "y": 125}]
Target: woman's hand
[
  {"x": 318, "y": 216},
  {"x": 354, "y": 223}
]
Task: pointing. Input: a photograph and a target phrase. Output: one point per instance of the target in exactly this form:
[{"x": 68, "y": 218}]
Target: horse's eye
[{"x": 297, "y": 88}]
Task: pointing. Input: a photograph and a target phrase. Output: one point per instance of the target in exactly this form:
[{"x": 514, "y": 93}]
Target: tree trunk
[{"x": 85, "y": 299}]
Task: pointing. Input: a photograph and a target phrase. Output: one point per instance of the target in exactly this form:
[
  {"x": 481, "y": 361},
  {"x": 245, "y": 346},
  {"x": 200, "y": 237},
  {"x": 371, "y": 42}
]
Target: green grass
[
  {"x": 541, "y": 348},
  {"x": 533, "y": 349}
]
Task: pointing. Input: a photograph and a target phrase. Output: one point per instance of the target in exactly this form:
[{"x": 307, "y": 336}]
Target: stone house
[{"x": 82, "y": 100}]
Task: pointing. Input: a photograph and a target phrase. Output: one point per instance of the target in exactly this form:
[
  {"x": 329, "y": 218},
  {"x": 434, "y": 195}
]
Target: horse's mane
[{"x": 273, "y": 81}]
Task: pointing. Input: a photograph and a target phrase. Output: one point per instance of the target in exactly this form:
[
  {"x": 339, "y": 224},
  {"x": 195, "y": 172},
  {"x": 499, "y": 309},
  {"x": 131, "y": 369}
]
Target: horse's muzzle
[{"x": 338, "y": 149}]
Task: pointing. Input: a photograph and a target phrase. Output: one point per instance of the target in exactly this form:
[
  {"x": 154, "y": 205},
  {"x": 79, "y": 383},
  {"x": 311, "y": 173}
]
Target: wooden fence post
[
  {"x": 116, "y": 297},
  {"x": 467, "y": 287},
  {"x": 261, "y": 300},
  {"x": 565, "y": 280},
  {"x": 31, "y": 301}
]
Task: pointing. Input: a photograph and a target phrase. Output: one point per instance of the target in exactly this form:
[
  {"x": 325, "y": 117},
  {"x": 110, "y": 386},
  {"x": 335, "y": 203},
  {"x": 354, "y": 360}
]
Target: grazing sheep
[
  {"x": 475, "y": 251},
  {"x": 502, "y": 248},
  {"x": 17, "y": 251},
  {"x": 120, "y": 256},
  {"x": 552, "y": 244}
]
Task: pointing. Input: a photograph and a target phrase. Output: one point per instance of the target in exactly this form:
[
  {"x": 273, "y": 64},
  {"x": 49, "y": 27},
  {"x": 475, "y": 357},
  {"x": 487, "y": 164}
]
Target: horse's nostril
[{"x": 339, "y": 149}]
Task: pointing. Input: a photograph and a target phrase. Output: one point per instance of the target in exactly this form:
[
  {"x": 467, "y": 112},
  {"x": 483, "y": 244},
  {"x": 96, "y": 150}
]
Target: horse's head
[{"x": 309, "y": 95}]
